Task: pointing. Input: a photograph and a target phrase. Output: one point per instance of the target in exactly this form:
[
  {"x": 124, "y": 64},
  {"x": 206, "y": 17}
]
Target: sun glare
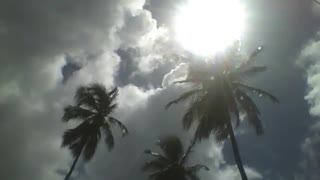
[{"x": 205, "y": 27}]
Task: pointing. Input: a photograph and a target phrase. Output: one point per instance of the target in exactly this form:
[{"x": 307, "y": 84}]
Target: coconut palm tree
[
  {"x": 218, "y": 95},
  {"x": 171, "y": 164},
  {"x": 93, "y": 106}
]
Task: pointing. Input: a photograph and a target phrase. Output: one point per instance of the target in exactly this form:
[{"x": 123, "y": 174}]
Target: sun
[{"x": 205, "y": 27}]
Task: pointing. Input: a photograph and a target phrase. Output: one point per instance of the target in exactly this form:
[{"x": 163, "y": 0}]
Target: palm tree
[
  {"x": 171, "y": 164},
  {"x": 218, "y": 96},
  {"x": 93, "y": 106}
]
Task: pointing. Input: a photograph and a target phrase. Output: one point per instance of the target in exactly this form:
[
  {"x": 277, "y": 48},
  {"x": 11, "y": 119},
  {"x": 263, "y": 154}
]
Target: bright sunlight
[{"x": 205, "y": 27}]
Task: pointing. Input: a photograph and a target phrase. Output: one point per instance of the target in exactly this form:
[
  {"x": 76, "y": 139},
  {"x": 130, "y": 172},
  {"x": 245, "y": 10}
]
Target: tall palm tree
[
  {"x": 219, "y": 94},
  {"x": 171, "y": 164},
  {"x": 93, "y": 106}
]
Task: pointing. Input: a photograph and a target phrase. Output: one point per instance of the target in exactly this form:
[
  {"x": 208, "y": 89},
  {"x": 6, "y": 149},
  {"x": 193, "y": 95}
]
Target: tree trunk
[
  {"x": 73, "y": 165},
  {"x": 236, "y": 152}
]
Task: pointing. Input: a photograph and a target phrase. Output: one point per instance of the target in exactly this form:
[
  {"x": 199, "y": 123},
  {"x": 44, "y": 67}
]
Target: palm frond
[
  {"x": 158, "y": 175},
  {"x": 259, "y": 92},
  {"x": 154, "y": 165},
  {"x": 192, "y": 176},
  {"x": 246, "y": 102},
  {"x": 253, "y": 71},
  {"x": 91, "y": 144},
  {"x": 109, "y": 139},
  {"x": 215, "y": 114},
  {"x": 113, "y": 94},
  {"x": 196, "y": 168},
  {"x": 255, "y": 53},
  {"x": 246, "y": 72},
  {"x": 75, "y": 134},
  {"x": 256, "y": 122},
  {"x": 100, "y": 95},
  {"x": 190, "y": 80},
  {"x": 185, "y": 96},
  {"x": 156, "y": 155},
  {"x": 251, "y": 110},
  {"x": 76, "y": 112},
  {"x": 84, "y": 97},
  {"x": 252, "y": 56},
  {"x": 76, "y": 138},
  {"x": 208, "y": 126},
  {"x": 172, "y": 147},
  {"x": 123, "y": 128},
  {"x": 188, "y": 151},
  {"x": 195, "y": 111}
]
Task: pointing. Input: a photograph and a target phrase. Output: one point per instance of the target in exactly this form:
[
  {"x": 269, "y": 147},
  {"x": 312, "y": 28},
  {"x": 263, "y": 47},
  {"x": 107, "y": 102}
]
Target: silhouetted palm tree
[
  {"x": 93, "y": 105},
  {"x": 171, "y": 164},
  {"x": 218, "y": 95}
]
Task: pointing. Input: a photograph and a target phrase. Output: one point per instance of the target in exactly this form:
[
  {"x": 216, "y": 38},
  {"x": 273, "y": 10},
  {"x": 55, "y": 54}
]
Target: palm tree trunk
[
  {"x": 73, "y": 165},
  {"x": 236, "y": 152}
]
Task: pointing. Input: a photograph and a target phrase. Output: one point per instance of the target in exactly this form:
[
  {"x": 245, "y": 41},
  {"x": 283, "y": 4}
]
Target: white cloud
[
  {"x": 36, "y": 35},
  {"x": 309, "y": 59},
  {"x": 176, "y": 74}
]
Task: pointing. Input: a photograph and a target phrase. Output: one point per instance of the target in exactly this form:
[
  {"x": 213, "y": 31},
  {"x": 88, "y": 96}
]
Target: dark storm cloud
[{"x": 68, "y": 69}]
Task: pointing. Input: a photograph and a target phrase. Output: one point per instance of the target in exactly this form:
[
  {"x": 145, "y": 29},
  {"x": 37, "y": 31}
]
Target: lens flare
[{"x": 205, "y": 27}]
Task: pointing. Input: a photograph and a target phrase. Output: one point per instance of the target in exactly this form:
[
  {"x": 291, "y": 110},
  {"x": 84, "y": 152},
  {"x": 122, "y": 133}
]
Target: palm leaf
[
  {"x": 188, "y": 151},
  {"x": 113, "y": 94},
  {"x": 158, "y": 174},
  {"x": 84, "y": 97},
  {"x": 109, "y": 139},
  {"x": 76, "y": 138},
  {"x": 255, "y": 53},
  {"x": 256, "y": 122},
  {"x": 196, "y": 168},
  {"x": 74, "y": 135},
  {"x": 123, "y": 128},
  {"x": 156, "y": 155},
  {"x": 251, "y": 110},
  {"x": 76, "y": 112},
  {"x": 185, "y": 96},
  {"x": 195, "y": 111},
  {"x": 172, "y": 147},
  {"x": 190, "y": 80},
  {"x": 260, "y": 92},
  {"x": 154, "y": 165},
  {"x": 192, "y": 176},
  {"x": 214, "y": 115},
  {"x": 246, "y": 72},
  {"x": 91, "y": 144},
  {"x": 252, "y": 56},
  {"x": 246, "y": 102}
]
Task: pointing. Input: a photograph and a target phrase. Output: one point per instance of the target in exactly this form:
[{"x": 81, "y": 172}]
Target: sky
[{"x": 48, "y": 48}]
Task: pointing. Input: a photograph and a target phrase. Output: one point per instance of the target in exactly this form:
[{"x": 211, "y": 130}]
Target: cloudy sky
[{"x": 48, "y": 48}]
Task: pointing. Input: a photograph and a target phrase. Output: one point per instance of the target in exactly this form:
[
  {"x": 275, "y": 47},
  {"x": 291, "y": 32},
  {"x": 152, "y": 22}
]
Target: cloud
[
  {"x": 309, "y": 59},
  {"x": 38, "y": 39},
  {"x": 164, "y": 10},
  {"x": 178, "y": 73},
  {"x": 35, "y": 38}
]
